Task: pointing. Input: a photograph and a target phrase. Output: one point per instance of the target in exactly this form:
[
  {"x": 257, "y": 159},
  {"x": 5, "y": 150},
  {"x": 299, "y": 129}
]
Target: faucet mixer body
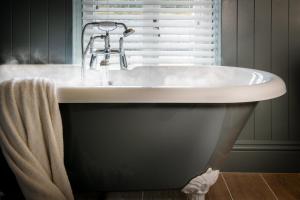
[{"x": 95, "y": 53}]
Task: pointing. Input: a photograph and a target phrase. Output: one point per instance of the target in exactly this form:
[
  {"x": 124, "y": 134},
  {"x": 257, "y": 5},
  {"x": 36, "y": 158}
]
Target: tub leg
[
  {"x": 199, "y": 186},
  {"x": 196, "y": 196}
]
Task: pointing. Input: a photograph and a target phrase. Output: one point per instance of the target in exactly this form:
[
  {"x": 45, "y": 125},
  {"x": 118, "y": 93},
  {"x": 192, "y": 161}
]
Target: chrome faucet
[{"x": 96, "y": 54}]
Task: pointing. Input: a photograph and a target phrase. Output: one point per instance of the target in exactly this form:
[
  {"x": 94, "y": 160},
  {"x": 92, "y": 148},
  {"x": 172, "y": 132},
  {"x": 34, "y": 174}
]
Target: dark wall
[
  {"x": 265, "y": 34},
  {"x": 261, "y": 34},
  {"x": 36, "y": 31}
]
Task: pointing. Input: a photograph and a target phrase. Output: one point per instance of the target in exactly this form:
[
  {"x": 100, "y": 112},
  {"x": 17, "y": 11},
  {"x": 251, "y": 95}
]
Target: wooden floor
[{"x": 237, "y": 186}]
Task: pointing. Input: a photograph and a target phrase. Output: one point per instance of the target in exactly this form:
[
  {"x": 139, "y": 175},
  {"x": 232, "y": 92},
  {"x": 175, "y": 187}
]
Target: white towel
[{"x": 31, "y": 138}]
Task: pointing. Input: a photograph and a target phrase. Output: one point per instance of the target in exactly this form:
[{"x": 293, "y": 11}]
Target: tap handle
[{"x": 107, "y": 24}]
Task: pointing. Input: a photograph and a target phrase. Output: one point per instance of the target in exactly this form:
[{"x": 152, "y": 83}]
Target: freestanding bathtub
[{"x": 151, "y": 127}]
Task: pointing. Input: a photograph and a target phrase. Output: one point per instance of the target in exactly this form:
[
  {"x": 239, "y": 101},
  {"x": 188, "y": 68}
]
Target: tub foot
[
  {"x": 195, "y": 196},
  {"x": 199, "y": 186}
]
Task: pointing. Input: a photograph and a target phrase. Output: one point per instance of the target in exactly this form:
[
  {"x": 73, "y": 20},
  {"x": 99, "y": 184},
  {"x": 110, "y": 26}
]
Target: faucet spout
[{"x": 107, "y": 50}]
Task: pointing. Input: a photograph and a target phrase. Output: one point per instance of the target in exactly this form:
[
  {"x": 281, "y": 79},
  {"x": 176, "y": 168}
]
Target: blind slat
[
  {"x": 166, "y": 46},
  {"x": 159, "y": 32},
  {"x": 162, "y": 23},
  {"x": 150, "y": 40},
  {"x": 145, "y": 16},
  {"x": 166, "y": 60},
  {"x": 187, "y": 11},
  {"x": 148, "y": 2}
]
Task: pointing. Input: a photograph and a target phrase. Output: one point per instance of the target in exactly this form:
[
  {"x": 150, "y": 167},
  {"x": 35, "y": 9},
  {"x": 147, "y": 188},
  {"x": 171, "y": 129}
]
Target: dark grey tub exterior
[{"x": 121, "y": 147}]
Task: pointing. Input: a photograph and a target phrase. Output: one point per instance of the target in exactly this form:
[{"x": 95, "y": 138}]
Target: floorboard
[
  {"x": 164, "y": 195},
  {"x": 124, "y": 196},
  {"x": 248, "y": 186},
  {"x": 229, "y": 186},
  {"x": 285, "y": 186},
  {"x": 218, "y": 191}
]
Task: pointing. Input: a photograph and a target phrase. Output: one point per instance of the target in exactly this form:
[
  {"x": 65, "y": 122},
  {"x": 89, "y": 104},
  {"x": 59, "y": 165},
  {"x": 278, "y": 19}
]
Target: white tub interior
[
  {"x": 142, "y": 76},
  {"x": 215, "y": 84}
]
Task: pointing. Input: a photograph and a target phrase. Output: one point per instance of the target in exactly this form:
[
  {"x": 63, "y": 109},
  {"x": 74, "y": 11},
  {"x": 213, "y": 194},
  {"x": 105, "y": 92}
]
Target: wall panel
[
  {"x": 39, "y": 31},
  {"x": 262, "y": 61},
  {"x": 21, "y": 31},
  {"x": 267, "y": 38},
  {"x": 245, "y": 49},
  {"x": 5, "y": 31},
  {"x": 228, "y": 32},
  {"x": 36, "y": 31},
  {"x": 294, "y": 69},
  {"x": 280, "y": 66},
  {"x": 57, "y": 31}
]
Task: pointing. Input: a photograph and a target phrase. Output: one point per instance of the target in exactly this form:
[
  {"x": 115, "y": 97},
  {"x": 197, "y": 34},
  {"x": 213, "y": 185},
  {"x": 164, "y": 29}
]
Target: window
[{"x": 168, "y": 32}]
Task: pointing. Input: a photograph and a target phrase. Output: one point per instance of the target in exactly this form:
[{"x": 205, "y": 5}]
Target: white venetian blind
[{"x": 168, "y": 32}]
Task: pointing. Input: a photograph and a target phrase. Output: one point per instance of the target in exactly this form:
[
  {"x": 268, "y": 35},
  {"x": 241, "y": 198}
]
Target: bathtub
[{"x": 150, "y": 128}]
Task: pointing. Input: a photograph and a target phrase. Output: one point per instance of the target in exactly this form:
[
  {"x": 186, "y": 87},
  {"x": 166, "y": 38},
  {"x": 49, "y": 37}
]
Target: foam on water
[{"x": 138, "y": 77}]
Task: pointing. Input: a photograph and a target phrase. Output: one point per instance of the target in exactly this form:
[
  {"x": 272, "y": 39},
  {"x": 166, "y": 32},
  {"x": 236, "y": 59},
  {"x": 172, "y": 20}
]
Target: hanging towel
[{"x": 31, "y": 138}]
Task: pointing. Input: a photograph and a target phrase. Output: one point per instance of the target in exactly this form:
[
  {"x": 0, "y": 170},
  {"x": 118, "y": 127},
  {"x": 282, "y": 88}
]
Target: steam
[
  {"x": 38, "y": 58},
  {"x": 11, "y": 61},
  {"x": 37, "y": 66},
  {"x": 24, "y": 58}
]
